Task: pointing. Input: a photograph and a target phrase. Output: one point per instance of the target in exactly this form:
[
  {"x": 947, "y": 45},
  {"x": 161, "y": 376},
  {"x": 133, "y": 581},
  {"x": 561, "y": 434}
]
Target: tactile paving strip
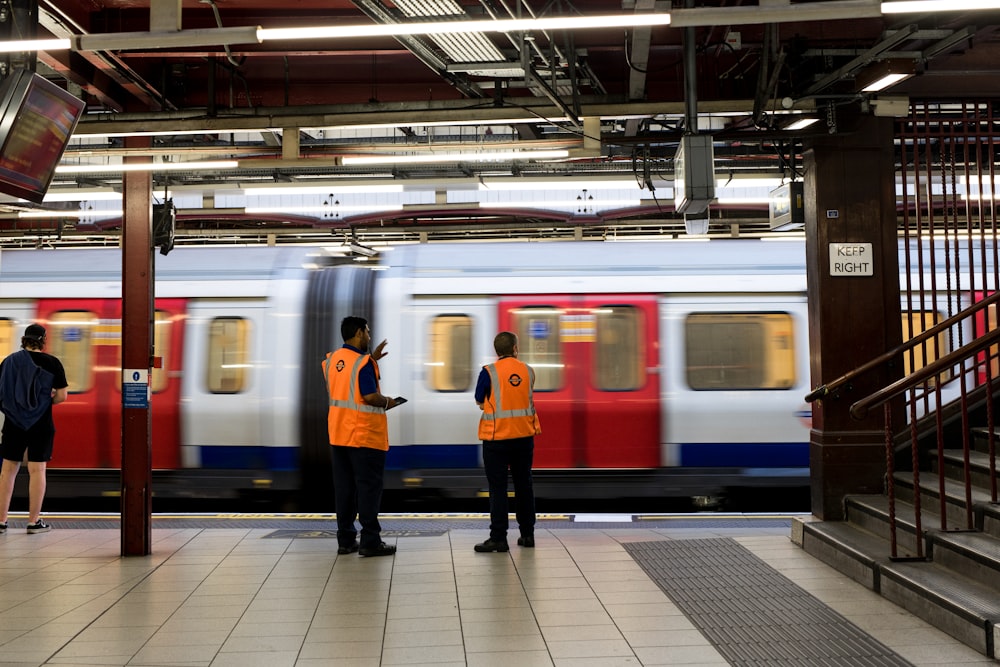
[{"x": 750, "y": 612}]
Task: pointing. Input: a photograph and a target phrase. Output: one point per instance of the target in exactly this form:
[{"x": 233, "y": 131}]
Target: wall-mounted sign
[
  {"x": 852, "y": 259},
  {"x": 135, "y": 388}
]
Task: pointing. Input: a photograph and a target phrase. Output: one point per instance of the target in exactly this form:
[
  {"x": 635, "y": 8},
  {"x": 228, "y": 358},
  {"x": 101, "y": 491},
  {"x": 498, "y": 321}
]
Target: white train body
[{"x": 665, "y": 368}]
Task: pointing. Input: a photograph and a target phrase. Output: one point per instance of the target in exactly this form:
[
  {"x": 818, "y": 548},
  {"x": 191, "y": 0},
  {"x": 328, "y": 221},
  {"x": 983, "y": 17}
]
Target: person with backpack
[{"x": 31, "y": 382}]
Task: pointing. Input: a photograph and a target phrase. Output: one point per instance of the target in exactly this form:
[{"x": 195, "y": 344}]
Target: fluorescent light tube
[
  {"x": 499, "y": 156},
  {"x": 331, "y": 208},
  {"x": 452, "y": 27},
  {"x": 18, "y": 45},
  {"x": 147, "y": 166},
  {"x": 801, "y": 123},
  {"x": 885, "y": 82},
  {"x": 917, "y": 6}
]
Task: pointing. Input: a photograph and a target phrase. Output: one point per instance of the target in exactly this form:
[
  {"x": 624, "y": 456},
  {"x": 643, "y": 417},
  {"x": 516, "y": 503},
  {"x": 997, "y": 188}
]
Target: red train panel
[{"x": 86, "y": 335}]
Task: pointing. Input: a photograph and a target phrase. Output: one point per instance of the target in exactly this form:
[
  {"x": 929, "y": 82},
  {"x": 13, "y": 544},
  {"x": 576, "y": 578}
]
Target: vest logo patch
[
  {"x": 340, "y": 365},
  {"x": 514, "y": 380}
]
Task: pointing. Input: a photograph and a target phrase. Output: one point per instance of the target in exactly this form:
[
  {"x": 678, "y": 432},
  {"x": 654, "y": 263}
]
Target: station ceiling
[{"x": 185, "y": 78}]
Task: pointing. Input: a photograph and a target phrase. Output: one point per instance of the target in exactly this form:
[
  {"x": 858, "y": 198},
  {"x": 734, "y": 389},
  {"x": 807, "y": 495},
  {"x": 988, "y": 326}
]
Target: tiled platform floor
[{"x": 229, "y": 597}]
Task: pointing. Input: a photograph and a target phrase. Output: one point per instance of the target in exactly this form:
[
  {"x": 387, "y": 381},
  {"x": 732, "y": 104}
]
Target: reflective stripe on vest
[{"x": 352, "y": 403}]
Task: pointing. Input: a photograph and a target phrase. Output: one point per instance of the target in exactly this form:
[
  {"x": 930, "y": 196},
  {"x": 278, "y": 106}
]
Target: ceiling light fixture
[
  {"x": 19, "y": 45},
  {"x": 146, "y": 166},
  {"x": 499, "y": 156},
  {"x": 594, "y": 204},
  {"x": 624, "y": 20},
  {"x": 628, "y": 182},
  {"x": 45, "y": 214},
  {"x": 884, "y": 74},
  {"x": 296, "y": 210},
  {"x": 311, "y": 189},
  {"x": 916, "y": 6},
  {"x": 800, "y": 124}
]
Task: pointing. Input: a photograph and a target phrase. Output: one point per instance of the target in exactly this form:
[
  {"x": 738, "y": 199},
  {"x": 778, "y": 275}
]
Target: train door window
[
  {"x": 915, "y": 323},
  {"x": 161, "y": 349},
  {"x": 228, "y": 355},
  {"x": 450, "y": 363},
  {"x": 71, "y": 338},
  {"x": 7, "y": 334},
  {"x": 740, "y": 351},
  {"x": 539, "y": 345},
  {"x": 619, "y": 353}
]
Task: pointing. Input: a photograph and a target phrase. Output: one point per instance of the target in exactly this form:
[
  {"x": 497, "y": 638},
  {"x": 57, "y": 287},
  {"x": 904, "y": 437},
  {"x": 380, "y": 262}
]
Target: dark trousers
[
  {"x": 357, "y": 484},
  {"x": 499, "y": 456}
]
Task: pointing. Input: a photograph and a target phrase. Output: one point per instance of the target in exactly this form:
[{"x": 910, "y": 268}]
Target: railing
[{"x": 971, "y": 364}]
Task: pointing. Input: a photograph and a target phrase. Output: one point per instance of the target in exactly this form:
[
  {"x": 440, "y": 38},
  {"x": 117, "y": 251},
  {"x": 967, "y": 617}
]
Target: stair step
[
  {"x": 981, "y": 438},
  {"x": 972, "y": 554},
  {"x": 871, "y": 513},
  {"x": 965, "y": 609},
  {"x": 847, "y": 548},
  {"x": 979, "y": 466},
  {"x": 954, "y": 498}
]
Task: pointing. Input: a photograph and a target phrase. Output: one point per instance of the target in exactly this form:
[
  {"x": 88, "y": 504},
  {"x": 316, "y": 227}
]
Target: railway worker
[
  {"x": 508, "y": 427},
  {"x": 359, "y": 435},
  {"x": 31, "y": 382}
]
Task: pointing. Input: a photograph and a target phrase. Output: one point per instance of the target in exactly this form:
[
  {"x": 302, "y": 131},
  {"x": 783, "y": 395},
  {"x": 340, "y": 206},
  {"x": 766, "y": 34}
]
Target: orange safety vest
[
  {"x": 509, "y": 410},
  {"x": 352, "y": 422}
]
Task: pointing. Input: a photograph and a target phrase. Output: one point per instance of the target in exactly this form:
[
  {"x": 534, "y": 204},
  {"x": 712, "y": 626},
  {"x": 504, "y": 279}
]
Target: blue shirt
[
  {"x": 367, "y": 384},
  {"x": 483, "y": 386}
]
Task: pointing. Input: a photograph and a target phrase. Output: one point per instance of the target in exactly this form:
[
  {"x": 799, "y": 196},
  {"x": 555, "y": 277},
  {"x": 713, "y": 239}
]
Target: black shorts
[{"x": 16, "y": 442}]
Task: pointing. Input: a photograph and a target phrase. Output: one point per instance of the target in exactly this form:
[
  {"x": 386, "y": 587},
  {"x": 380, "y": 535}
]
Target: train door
[
  {"x": 455, "y": 338},
  {"x": 225, "y": 414},
  {"x": 85, "y": 334},
  {"x": 597, "y": 385}
]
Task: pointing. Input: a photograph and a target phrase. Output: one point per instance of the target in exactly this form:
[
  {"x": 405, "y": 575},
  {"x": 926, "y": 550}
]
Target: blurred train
[{"x": 662, "y": 369}]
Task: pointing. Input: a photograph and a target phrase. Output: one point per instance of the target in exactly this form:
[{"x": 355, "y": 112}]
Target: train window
[
  {"x": 915, "y": 323},
  {"x": 228, "y": 355},
  {"x": 619, "y": 352},
  {"x": 450, "y": 353},
  {"x": 161, "y": 344},
  {"x": 7, "y": 334},
  {"x": 539, "y": 345},
  {"x": 740, "y": 351},
  {"x": 72, "y": 338}
]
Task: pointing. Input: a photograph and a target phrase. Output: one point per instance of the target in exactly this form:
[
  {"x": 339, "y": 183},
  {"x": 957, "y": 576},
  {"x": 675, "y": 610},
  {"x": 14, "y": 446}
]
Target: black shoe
[
  {"x": 348, "y": 550},
  {"x": 492, "y": 545},
  {"x": 3, "y": 528},
  {"x": 528, "y": 542},
  {"x": 39, "y": 527},
  {"x": 382, "y": 549}
]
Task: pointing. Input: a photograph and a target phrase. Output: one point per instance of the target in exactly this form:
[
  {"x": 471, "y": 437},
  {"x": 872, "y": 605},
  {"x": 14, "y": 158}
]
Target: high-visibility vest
[
  {"x": 509, "y": 410},
  {"x": 352, "y": 422}
]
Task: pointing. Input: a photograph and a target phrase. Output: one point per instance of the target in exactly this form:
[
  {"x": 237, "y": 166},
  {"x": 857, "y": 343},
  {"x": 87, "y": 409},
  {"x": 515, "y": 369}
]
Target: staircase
[{"x": 956, "y": 586}]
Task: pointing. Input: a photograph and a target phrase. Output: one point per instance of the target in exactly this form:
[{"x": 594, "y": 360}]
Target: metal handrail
[{"x": 860, "y": 408}]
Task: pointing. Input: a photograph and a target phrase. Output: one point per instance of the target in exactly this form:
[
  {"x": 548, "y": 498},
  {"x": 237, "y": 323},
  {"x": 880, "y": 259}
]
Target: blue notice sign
[
  {"x": 135, "y": 388},
  {"x": 538, "y": 329}
]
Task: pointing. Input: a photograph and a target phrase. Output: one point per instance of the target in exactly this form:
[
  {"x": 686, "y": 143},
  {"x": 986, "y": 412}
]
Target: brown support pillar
[
  {"x": 137, "y": 354},
  {"x": 854, "y": 311}
]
